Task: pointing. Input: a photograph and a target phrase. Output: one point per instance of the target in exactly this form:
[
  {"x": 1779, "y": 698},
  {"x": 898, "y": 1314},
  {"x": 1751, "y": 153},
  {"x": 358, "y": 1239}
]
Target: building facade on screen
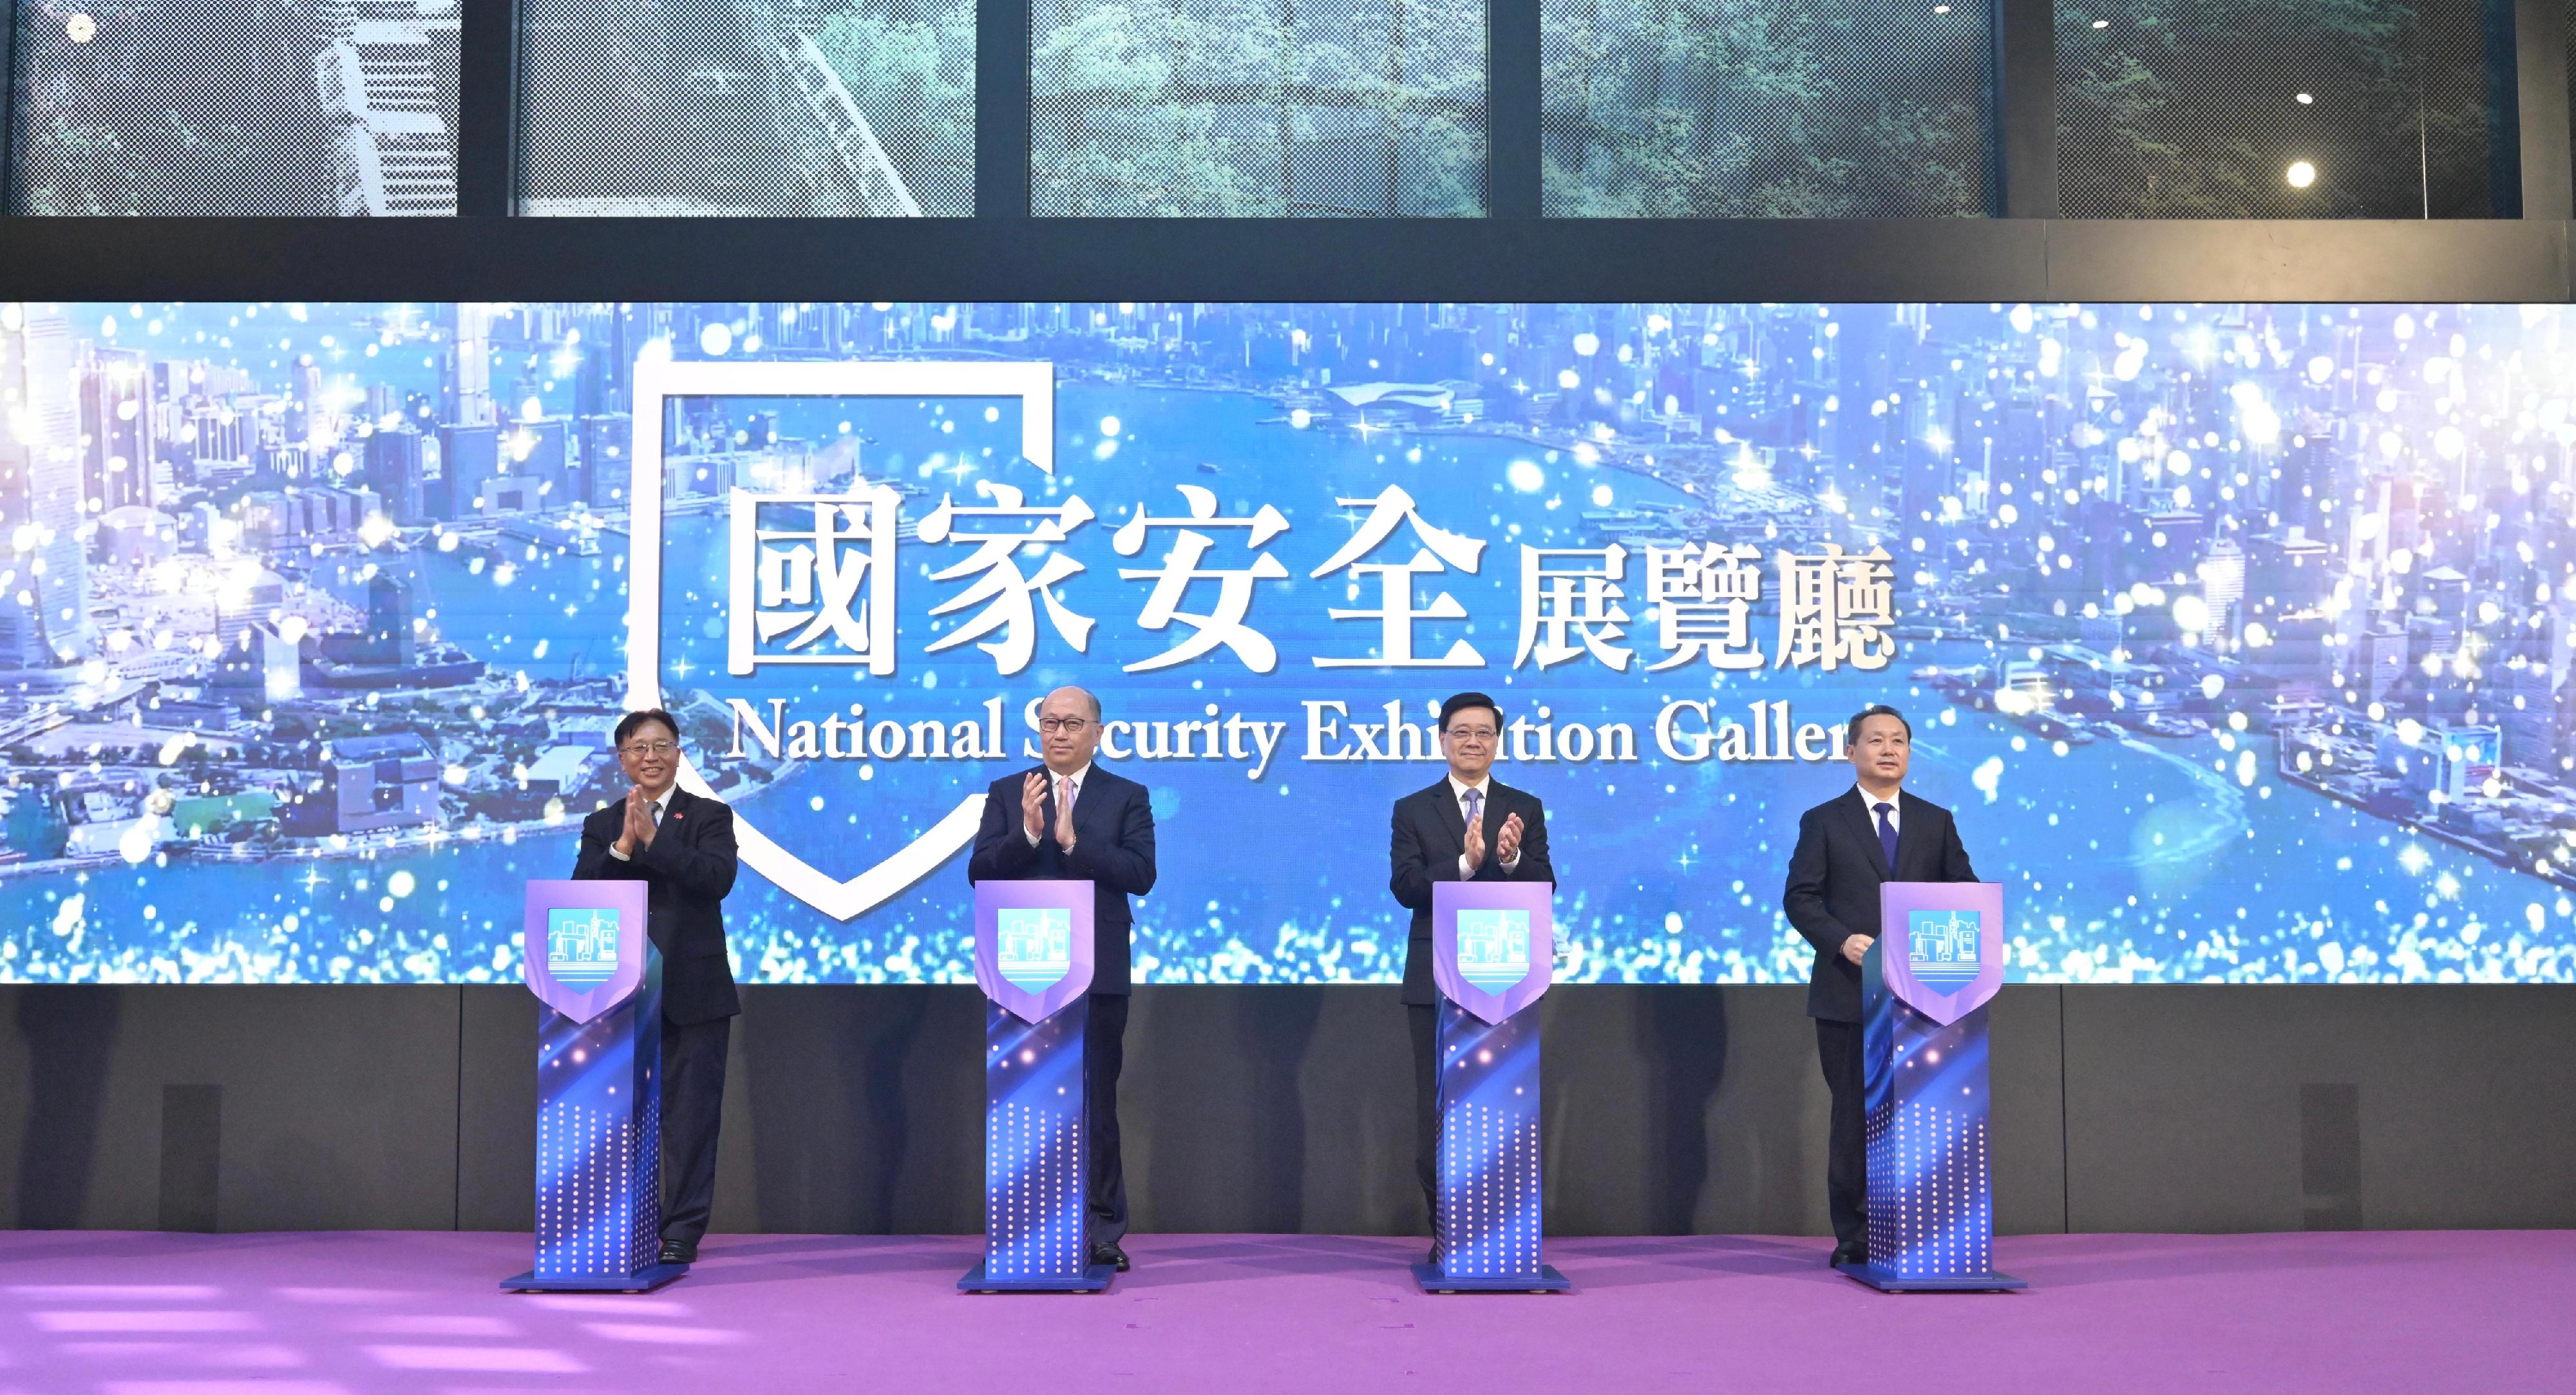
[{"x": 2242, "y": 632}]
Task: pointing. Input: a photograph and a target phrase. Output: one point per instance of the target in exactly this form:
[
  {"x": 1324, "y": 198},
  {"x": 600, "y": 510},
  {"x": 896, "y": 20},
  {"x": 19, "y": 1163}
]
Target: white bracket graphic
[{"x": 656, "y": 383}]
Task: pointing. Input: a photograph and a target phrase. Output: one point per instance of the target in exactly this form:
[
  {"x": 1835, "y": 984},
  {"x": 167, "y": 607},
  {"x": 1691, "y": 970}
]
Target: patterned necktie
[
  {"x": 1475, "y": 805},
  {"x": 1886, "y": 835},
  {"x": 1064, "y": 795}
]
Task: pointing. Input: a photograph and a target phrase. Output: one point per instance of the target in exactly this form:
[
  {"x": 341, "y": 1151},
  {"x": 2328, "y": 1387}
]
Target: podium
[
  {"x": 1925, "y": 984},
  {"x": 1493, "y": 952},
  {"x": 1033, "y": 961},
  {"x": 599, "y": 1090}
]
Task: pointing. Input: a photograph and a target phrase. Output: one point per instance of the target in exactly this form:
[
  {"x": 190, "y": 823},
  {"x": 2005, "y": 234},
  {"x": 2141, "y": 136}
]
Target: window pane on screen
[
  {"x": 2255, "y": 109},
  {"x": 814, "y": 108},
  {"x": 1763, "y": 108},
  {"x": 1258, "y": 108},
  {"x": 237, "y": 108}
]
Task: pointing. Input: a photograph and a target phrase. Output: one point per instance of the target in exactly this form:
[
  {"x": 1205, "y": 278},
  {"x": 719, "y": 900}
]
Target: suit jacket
[
  {"x": 690, "y": 865},
  {"x": 1429, "y": 836},
  {"x": 1835, "y": 874},
  {"x": 1113, "y": 849}
]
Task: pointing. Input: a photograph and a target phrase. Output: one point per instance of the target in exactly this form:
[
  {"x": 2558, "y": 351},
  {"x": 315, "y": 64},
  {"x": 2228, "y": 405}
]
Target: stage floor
[{"x": 316, "y": 1314}]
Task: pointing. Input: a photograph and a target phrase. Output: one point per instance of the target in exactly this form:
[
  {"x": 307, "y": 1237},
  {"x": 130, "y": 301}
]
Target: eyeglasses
[
  {"x": 1472, "y": 733},
  {"x": 1068, "y": 725},
  {"x": 640, "y": 749}
]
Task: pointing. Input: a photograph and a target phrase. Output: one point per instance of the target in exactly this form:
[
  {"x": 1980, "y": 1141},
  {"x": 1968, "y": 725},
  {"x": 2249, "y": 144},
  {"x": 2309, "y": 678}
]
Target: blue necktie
[
  {"x": 1475, "y": 804},
  {"x": 1886, "y": 835}
]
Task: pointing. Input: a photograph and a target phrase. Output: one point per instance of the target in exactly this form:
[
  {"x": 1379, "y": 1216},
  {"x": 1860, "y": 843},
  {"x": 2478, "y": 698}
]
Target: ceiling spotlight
[
  {"x": 2101, "y": 24},
  {"x": 2301, "y": 174},
  {"x": 2306, "y": 100}
]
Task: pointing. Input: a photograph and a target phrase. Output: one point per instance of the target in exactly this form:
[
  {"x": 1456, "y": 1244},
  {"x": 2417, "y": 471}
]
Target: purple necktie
[
  {"x": 1886, "y": 835},
  {"x": 1475, "y": 805}
]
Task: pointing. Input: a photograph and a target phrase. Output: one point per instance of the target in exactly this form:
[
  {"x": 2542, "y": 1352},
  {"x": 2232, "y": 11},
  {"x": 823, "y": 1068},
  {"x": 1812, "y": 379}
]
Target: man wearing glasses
[
  {"x": 1468, "y": 827},
  {"x": 682, "y": 845},
  {"x": 1070, "y": 820}
]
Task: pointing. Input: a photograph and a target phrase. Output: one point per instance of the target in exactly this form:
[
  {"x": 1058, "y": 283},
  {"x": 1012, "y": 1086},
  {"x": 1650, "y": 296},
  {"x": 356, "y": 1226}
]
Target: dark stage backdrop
[{"x": 1671, "y": 1109}]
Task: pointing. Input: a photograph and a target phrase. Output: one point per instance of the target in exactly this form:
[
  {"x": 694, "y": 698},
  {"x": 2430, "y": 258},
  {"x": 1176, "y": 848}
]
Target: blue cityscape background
[{"x": 2237, "y": 636}]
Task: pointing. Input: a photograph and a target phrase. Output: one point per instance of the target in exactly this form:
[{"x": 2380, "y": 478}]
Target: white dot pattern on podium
[
  {"x": 585, "y": 1192},
  {"x": 1033, "y": 1192},
  {"x": 1490, "y": 1220},
  {"x": 647, "y": 1170},
  {"x": 1931, "y": 1213}
]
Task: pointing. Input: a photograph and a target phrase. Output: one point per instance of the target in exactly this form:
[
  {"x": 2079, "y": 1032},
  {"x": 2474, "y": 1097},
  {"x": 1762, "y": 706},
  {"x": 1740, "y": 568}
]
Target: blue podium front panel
[
  {"x": 1037, "y": 1152},
  {"x": 1489, "y": 1221},
  {"x": 1931, "y": 1209},
  {"x": 599, "y": 1141}
]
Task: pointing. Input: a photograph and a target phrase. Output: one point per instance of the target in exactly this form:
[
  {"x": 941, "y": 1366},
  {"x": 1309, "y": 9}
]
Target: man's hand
[
  {"x": 1476, "y": 844},
  {"x": 638, "y": 832},
  {"x": 1032, "y": 797},
  {"x": 1854, "y": 946},
  {"x": 1064, "y": 828},
  {"x": 1507, "y": 841}
]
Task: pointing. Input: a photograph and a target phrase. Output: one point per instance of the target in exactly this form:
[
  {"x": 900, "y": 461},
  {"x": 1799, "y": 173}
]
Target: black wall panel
[
  {"x": 496, "y": 1108},
  {"x": 331, "y": 1108},
  {"x": 1670, "y": 1109},
  {"x": 2206, "y": 1108}
]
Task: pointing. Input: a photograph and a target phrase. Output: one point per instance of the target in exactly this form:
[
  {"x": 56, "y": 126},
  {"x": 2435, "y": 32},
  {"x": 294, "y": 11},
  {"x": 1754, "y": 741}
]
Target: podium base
[
  {"x": 644, "y": 1280},
  {"x": 1093, "y": 1280},
  {"x": 1546, "y": 1280},
  {"x": 1886, "y": 1282}
]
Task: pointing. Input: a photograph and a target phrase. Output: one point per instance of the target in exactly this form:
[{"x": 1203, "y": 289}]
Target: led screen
[{"x": 2237, "y": 636}]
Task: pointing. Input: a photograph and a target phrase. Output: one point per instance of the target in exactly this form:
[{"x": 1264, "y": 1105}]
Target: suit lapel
[
  {"x": 1911, "y": 815},
  {"x": 1086, "y": 803},
  {"x": 1856, "y": 817},
  {"x": 1501, "y": 802},
  {"x": 1452, "y": 818}
]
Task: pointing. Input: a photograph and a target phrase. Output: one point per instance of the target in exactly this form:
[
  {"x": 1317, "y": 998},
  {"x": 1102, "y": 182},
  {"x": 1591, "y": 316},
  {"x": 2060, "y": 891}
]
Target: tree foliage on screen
[
  {"x": 2195, "y": 110},
  {"x": 910, "y": 65},
  {"x": 1258, "y": 108},
  {"x": 1757, "y": 109}
]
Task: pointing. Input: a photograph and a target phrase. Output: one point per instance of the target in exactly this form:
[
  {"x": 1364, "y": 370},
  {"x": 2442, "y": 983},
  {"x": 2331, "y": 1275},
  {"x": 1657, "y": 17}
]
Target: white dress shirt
[
  {"x": 1484, "y": 789},
  {"x": 1895, "y": 808},
  {"x": 659, "y": 806},
  {"x": 1052, "y": 780}
]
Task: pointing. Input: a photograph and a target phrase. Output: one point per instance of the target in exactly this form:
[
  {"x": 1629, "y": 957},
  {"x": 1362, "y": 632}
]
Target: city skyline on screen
[{"x": 2237, "y": 636}]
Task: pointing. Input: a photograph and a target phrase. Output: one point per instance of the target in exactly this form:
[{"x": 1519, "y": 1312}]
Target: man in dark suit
[
  {"x": 1467, "y": 827},
  {"x": 1070, "y": 820},
  {"x": 1848, "y": 847},
  {"x": 682, "y": 845}
]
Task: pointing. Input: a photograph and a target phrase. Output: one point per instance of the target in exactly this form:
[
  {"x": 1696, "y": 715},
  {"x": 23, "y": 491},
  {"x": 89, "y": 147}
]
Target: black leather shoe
[
  {"x": 1850, "y": 1252},
  {"x": 679, "y": 1252},
  {"x": 1109, "y": 1254}
]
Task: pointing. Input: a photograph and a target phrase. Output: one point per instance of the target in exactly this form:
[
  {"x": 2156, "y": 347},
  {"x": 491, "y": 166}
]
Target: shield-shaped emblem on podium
[
  {"x": 1493, "y": 944},
  {"x": 1942, "y": 945},
  {"x": 584, "y": 945},
  {"x": 1033, "y": 945}
]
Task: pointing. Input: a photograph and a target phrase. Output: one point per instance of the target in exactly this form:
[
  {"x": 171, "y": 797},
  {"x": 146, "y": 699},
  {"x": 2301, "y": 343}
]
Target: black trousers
[
  {"x": 693, "y": 1075},
  {"x": 1104, "y": 1053},
  {"x": 1422, "y": 1020},
  {"x": 1846, "y": 1157}
]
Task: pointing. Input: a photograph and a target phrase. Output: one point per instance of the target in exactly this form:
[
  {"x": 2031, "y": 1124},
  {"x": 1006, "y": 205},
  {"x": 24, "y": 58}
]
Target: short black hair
[
  {"x": 1851, "y": 733},
  {"x": 1460, "y": 702},
  {"x": 627, "y": 724}
]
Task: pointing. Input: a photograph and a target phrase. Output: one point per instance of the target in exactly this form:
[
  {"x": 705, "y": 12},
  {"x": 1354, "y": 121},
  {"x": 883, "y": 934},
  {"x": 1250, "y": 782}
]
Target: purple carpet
[{"x": 317, "y": 1314}]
